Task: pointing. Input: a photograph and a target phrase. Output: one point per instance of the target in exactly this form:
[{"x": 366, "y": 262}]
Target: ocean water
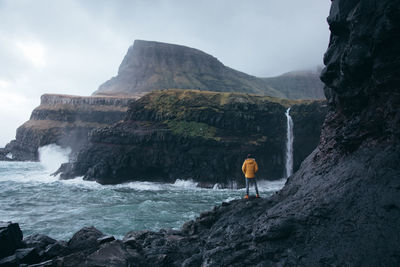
[{"x": 41, "y": 203}]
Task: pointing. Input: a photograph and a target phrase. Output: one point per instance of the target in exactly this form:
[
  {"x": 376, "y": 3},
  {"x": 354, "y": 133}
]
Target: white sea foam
[
  {"x": 185, "y": 183},
  {"x": 52, "y": 156},
  {"x": 79, "y": 182},
  {"x": 142, "y": 186},
  {"x": 265, "y": 185},
  {"x": 217, "y": 186}
]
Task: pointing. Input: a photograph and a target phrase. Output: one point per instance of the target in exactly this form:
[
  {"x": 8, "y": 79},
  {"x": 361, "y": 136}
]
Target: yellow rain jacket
[{"x": 249, "y": 168}]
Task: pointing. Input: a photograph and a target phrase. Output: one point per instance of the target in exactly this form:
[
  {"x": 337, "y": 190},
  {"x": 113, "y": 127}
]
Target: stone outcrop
[
  {"x": 196, "y": 135},
  {"x": 64, "y": 120},
  {"x": 150, "y": 66},
  {"x": 87, "y": 247}
]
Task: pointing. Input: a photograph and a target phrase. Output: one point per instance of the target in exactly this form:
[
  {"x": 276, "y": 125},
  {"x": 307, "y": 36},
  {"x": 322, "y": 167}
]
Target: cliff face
[
  {"x": 196, "y": 135},
  {"x": 152, "y": 66},
  {"x": 66, "y": 121},
  {"x": 307, "y": 121}
]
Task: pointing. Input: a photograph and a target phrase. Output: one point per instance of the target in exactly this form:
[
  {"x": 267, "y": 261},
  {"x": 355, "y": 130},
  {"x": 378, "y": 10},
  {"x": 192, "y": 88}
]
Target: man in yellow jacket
[{"x": 249, "y": 169}]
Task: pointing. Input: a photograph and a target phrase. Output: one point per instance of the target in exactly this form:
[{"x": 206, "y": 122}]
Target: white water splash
[
  {"x": 9, "y": 155},
  {"x": 217, "y": 186},
  {"x": 265, "y": 185},
  {"x": 185, "y": 183},
  {"x": 52, "y": 156},
  {"x": 289, "y": 144}
]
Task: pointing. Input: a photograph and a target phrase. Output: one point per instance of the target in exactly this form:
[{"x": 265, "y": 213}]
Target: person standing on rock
[{"x": 249, "y": 169}]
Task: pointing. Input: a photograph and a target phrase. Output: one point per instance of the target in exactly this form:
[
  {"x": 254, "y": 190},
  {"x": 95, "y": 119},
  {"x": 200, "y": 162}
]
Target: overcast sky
[{"x": 72, "y": 46}]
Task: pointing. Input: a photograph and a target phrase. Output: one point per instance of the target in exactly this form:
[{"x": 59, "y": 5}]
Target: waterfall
[{"x": 289, "y": 144}]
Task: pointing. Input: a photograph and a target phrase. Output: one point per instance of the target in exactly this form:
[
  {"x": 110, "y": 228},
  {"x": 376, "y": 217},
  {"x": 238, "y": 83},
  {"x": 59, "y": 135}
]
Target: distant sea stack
[
  {"x": 150, "y": 66},
  {"x": 64, "y": 120}
]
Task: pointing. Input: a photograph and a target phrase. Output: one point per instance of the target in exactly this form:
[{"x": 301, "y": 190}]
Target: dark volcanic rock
[
  {"x": 38, "y": 240},
  {"x": 10, "y": 238},
  {"x": 85, "y": 239},
  {"x": 196, "y": 135},
  {"x": 307, "y": 121},
  {"x": 113, "y": 254},
  {"x": 60, "y": 248}
]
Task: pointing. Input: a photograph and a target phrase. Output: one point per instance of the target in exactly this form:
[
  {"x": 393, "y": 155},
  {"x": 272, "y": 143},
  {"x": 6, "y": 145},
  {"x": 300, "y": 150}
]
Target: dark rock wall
[
  {"x": 203, "y": 136},
  {"x": 307, "y": 121}
]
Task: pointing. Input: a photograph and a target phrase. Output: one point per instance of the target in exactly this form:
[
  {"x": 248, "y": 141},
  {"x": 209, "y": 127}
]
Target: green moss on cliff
[
  {"x": 177, "y": 102},
  {"x": 192, "y": 129}
]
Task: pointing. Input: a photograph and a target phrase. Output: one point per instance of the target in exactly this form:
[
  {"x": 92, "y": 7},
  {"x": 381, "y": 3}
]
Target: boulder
[
  {"x": 38, "y": 240},
  {"x": 112, "y": 254},
  {"x": 57, "y": 249},
  {"x": 10, "y": 238},
  {"x": 84, "y": 239}
]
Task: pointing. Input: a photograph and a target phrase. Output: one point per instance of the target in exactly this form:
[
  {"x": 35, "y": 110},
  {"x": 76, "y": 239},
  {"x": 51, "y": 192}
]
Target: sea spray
[
  {"x": 289, "y": 144},
  {"x": 52, "y": 156}
]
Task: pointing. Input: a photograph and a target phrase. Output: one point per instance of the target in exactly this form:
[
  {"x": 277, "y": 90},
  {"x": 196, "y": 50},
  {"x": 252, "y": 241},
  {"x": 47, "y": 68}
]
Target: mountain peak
[{"x": 150, "y": 65}]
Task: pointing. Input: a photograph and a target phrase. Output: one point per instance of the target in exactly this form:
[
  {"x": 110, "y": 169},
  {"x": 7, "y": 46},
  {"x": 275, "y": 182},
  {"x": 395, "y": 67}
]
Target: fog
[{"x": 72, "y": 46}]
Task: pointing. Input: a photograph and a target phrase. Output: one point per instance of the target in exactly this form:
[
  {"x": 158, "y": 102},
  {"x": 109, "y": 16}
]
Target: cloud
[{"x": 34, "y": 52}]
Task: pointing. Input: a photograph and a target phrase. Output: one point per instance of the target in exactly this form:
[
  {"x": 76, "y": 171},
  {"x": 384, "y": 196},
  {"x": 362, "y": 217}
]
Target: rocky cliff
[
  {"x": 197, "y": 135},
  {"x": 64, "y": 120},
  {"x": 341, "y": 208},
  {"x": 152, "y": 66}
]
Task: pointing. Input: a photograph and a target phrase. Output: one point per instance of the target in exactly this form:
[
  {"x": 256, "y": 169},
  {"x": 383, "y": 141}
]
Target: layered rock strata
[
  {"x": 189, "y": 134},
  {"x": 66, "y": 121}
]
